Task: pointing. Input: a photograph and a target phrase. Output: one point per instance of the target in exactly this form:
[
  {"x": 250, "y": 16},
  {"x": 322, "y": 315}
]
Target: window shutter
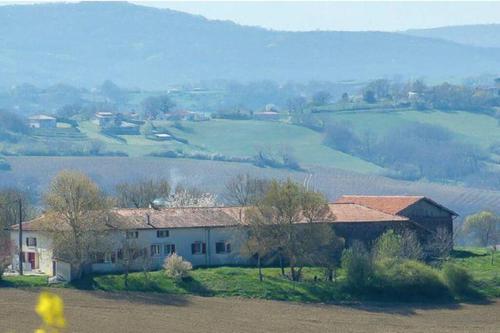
[
  {"x": 228, "y": 247},
  {"x": 204, "y": 248},
  {"x": 193, "y": 248},
  {"x": 172, "y": 249}
]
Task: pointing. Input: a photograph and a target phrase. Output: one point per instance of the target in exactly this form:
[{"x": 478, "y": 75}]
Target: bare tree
[
  {"x": 245, "y": 190},
  {"x": 257, "y": 242},
  {"x": 77, "y": 216},
  {"x": 440, "y": 244},
  {"x": 5, "y": 255},
  {"x": 142, "y": 193}
]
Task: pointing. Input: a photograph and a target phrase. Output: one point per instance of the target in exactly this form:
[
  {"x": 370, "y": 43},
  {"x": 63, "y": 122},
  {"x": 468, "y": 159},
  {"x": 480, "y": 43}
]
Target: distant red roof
[{"x": 388, "y": 204}]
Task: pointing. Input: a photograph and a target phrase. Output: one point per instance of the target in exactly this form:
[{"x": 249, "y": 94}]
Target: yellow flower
[{"x": 50, "y": 308}]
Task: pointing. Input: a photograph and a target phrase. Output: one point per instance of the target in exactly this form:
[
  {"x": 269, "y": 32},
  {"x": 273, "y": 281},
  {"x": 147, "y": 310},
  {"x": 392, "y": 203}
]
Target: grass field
[
  {"x": 138, "y": 312},
  {"x": 244, "y": 282},
  {"x": 476, "y": 128}
]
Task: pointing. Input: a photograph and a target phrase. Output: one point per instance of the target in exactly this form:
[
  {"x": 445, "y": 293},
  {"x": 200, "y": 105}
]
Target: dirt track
[{"x": 106, "y": 312}]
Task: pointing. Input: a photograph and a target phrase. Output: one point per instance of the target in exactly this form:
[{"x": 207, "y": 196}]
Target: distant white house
[
  {"x": 267, "y": 115},
  {"x": 42, "y": 121},
  {"x": 105, "y": 118}
]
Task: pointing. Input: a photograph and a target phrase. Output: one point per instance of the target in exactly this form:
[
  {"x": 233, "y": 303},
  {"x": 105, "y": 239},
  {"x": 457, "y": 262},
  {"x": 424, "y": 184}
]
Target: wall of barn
[
  {"x": 430, "y": 217},
  {"x": 366, "y": 232}
]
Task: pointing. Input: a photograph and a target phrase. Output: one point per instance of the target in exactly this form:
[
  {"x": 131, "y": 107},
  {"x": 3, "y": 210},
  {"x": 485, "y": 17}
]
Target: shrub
[
  {"x": 176, "y": 267},
  {"x": 358, "y": 267},
  {"x": 408, "y": 280},
  {"x": 457, "y": 279},
  {"x": 404, "y": 245}
]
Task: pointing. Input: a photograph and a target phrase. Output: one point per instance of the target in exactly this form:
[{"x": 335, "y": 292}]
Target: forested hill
[
  {"x": 483, "y": 35},
  {"x": 137, "y": 46}
]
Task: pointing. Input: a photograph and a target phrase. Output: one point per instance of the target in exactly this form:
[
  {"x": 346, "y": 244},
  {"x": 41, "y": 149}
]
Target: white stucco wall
[
  {"x": 43, "y": 249},
  {"x": 182, "y": 238}
]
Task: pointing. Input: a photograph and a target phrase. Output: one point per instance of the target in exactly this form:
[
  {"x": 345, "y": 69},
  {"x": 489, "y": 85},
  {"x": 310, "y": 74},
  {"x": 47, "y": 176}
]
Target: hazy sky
[
  {"x": 347, "y": 15},
  {"x": 330, "y": 15}
]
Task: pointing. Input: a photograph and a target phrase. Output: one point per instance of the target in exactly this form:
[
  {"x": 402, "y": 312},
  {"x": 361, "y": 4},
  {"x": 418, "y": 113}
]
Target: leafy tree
[
  {"x": 392, "y": 245},
  {"x": 369, "y": 96},
  {"x": 289, "y": 214},
  {"x": 296, "y": 104},
  {"x": 380, "y": 88},
  {"x": 12, "y": 122},
  {"x": 142, "y": 193},
  {"x": 113, "y": 93},
  {"x": 358, "y": 266},
  {"x": 484, "y": 226},
  {"x": 321, "y": 98},
  {"x": 345, "y": 98},
  {"x": 156, "y": 105},
  {"x": 77, "y": 213}
]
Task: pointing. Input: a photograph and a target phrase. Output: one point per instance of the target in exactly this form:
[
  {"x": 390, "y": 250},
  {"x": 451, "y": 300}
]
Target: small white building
[
  {"x": 105, "y": 118},
  {"x": 42, "y": 121}
]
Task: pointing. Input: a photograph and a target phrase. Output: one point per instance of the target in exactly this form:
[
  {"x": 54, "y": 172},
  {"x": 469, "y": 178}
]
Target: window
[
  {"x": 30, "y": 241},
  {"x": 168, "y": 249},
  {"x": 162, "y": 233},
  {"x": 198, "y": 248},
  {"x": 132, "y": 234},
  {"x": 222, "y": 247},
  {"x": 155, "y": 250}
]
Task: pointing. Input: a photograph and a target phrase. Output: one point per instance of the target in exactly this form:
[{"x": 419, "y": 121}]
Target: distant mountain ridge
[
  {"x": 138, "y": 46},
  {"x": 482, "y": 35}
]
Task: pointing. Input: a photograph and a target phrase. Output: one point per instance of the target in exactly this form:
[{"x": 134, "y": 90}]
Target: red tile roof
[
  {"x": 212, "y": 217},
  {"x": 387, "y": 204}
]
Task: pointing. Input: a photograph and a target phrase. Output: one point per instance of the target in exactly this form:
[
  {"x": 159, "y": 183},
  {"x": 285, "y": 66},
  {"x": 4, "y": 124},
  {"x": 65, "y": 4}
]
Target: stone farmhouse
[{"x": 214, "y": 236}]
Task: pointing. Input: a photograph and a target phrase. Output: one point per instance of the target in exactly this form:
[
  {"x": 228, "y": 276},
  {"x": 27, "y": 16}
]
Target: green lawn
[
  {"x": 26, "y": 281},
  {"x": 228, "y": 281},
  {"x": 478, "y": 262},
  {"x": 244, "y": 282}
]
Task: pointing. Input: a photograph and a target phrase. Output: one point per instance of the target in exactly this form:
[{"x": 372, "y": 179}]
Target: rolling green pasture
[
  {"x": 244, "y": 137},
  {"x": 479, "y": 129}
]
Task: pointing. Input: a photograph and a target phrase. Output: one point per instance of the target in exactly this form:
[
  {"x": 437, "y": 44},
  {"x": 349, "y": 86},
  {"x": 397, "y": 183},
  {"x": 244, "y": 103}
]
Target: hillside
[
  {"x": 483, "y": 35},
  {"x": 34, "y": 173},
  {"x": 137, "y": 46}
]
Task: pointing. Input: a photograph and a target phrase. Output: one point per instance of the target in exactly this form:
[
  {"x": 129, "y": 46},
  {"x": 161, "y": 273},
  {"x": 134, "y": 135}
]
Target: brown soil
[{"x": 98, "y": 312}]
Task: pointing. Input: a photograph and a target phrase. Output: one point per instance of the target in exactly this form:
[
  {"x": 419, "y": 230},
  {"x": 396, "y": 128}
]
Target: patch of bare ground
[{"x": 136, "y": 312}]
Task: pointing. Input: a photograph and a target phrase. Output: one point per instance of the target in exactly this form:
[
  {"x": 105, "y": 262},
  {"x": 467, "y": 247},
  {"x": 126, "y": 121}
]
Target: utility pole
[{"x": 21, "y": 255}]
